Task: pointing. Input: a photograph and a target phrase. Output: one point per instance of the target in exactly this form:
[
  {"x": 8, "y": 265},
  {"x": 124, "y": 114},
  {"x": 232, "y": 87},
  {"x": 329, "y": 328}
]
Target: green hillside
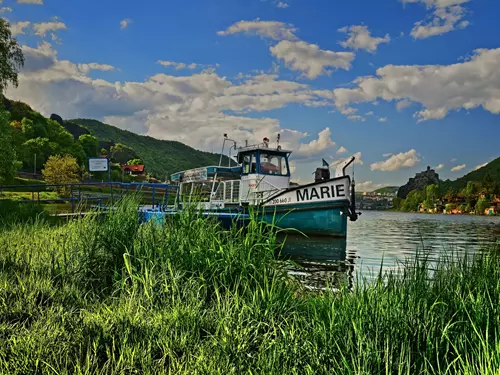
[
  {"x": 161, "y": 158},
  {"x": 492, "y": 169}
]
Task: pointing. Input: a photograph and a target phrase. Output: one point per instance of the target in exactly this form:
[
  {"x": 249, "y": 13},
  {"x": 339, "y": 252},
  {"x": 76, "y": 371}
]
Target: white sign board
[
  {"x": 193, "y": 175},
  {"x": 98, "y": 165},
  {"x": 329, "y": 191}
]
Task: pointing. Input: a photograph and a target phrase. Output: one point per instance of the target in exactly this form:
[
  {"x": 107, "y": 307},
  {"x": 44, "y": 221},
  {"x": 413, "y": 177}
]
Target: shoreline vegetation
[{"x": 112, "y": 296}]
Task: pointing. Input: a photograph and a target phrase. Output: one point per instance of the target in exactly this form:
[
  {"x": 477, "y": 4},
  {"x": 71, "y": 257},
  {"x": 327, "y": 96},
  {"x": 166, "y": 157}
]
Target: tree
[
  {"x": 90, "y": 145},
  {"x": 413, "y": 201},
  {"x": 11, "y": 57},
  {"x": 41, "y": 147},
  {"x": 61, "y": 170},
  {"x": 135, "y": 162},
  {"x": 470, "y": 193},
  {"x": 121, "y": 153},
  {"x": 8, "y": 163},
  {"x": 481, "y": 205},
  {"x": 432, "y": 194}
]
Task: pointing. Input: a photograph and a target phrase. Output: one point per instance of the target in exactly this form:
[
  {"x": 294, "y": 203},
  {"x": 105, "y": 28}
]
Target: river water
[{"x": 386, "y": 239}]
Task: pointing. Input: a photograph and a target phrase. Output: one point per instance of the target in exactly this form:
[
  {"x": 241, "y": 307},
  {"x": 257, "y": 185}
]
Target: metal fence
[{"x": 81, "y": 196}]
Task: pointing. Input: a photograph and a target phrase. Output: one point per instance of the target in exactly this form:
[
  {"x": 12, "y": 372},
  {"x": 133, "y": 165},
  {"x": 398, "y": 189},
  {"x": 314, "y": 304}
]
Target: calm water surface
[{"x": 385, "y": 239}]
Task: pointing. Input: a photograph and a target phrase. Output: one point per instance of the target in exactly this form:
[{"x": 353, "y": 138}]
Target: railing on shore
[{"x": 94, "y": 194}]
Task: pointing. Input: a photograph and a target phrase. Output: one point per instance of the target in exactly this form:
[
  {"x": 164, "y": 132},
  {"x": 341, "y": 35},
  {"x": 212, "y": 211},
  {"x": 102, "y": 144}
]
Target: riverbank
[{"x": 115, "y": 297}]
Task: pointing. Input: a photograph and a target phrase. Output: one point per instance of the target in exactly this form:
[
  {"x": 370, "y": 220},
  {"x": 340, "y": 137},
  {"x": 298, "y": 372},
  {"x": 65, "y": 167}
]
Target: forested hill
[
  {"x": 162, "y": 158},
  {"x": 491, "y": 169}
]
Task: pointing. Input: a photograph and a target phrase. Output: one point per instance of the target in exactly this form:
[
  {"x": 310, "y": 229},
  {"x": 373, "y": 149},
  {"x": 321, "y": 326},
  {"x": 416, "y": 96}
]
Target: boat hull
[{"x": 312, "y": 219}]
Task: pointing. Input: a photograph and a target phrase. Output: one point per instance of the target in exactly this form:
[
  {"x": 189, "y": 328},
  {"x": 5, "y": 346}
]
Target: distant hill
[
  {"x": 387, "y": 190},
  {"x": 492, "y": 168},
  {"x": 162, "y": 158}
]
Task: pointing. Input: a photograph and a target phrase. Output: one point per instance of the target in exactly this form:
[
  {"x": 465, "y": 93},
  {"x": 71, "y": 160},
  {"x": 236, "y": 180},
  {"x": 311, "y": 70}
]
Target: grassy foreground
[{"x": 110, "y": 296}]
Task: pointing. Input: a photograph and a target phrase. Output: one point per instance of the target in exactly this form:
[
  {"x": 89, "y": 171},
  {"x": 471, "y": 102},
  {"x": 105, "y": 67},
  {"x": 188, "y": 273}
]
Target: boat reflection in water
[{"x": 319, "y": 263}]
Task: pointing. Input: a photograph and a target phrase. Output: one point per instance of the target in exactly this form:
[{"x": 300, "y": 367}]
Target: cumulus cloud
[
  {"x": 402, "y": 104},
  {"x": 282, "y": 5},
  {"x": 438, "y": 167},
  {"x": 398, "y": 161},
  {"x": 18, "y": 28},
  {"x": 125, "y": 23},
  {"x": 458, "y": 167},
  {"x": 310, "y": 59},
  {"x": 317, "y": 146},
  {"x": 5, "y": 10},
  {"x": 438, "y": 88},
  {"x": 269, "y": 29},
  {"x": 35, "y": 2},
  {"x": 387, "y": 155},
  {"x": 442, "y": 20},
  {"x": 444, "y": 16},
  {"x": 342, "y": 150},
  {"x": 359, "y": 37},
  {"x": 368, "y": 186},
  {"x": 42, "y": 28},
  {"x": 382, "y": 119},
  {"x": 356, "y": 118},
  {"x": 195, "y": 109},
  {"x": 192, "y": 66}
]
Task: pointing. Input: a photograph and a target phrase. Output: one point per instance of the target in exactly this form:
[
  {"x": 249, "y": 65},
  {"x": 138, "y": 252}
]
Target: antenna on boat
[{"x": 278, "y": 141}]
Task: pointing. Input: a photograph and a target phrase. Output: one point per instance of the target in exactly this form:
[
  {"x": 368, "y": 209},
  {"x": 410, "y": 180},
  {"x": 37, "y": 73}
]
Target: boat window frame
[{"x": 257, "y": 154}]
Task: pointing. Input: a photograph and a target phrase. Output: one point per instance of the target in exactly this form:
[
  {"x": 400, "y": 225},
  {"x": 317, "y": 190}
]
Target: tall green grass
[{"x": 111, "y": 296}]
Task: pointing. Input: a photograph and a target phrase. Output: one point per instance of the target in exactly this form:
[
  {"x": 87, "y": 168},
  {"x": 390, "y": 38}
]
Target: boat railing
[{"x": 227, "y": 192}]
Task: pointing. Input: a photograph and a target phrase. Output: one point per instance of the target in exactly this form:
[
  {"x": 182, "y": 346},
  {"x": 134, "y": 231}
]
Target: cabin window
[
  {"x": 249, "y": 164},
  {"x": 273, "y": 164}
]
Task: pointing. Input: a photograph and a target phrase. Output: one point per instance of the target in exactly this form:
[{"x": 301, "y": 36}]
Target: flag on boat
[{"x": 325, "y": 164}]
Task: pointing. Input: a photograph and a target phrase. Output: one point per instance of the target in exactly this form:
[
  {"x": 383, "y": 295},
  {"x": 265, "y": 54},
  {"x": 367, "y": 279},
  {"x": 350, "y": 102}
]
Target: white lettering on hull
[{"x": 323, "y": 192}]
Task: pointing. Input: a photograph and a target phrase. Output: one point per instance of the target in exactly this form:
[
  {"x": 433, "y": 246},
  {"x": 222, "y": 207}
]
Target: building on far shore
[{"x": 134, "y": 169}]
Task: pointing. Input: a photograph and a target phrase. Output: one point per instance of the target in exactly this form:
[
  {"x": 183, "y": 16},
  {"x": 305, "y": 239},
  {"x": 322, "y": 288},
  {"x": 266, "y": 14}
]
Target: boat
[{"x": 259, "y": 186}]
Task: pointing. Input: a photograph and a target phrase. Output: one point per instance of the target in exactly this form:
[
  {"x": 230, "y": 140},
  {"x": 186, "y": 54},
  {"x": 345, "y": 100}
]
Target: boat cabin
[{"x": 262, "y": 171}]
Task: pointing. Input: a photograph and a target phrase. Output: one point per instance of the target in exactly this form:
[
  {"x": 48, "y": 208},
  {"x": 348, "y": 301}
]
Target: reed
[{"x": 113, "y": 296}]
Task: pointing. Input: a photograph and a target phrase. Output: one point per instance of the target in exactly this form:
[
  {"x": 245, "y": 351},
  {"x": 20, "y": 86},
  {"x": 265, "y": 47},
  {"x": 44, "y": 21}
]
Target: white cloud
[
  {"x": 442, "y": 20},
  {"x": 41, "y": 29},
  {"x": 387, "y": 155},
  {"x": 481, "y": 166},
  {"x": 86, "y": 68},
  {"x": 438, "y": 167},
  {"x": 359, "y": 37},
  {"x": 310, "y": 59},
  {"x": 438, "y": 88},
  {"x": 317, "y": 146},
  {"x": 382, "y": 119},
  {"x": 19, "y": 27},
  {"x": 402, "y": 104},
  {"x": 5, "y": 10},
  {"x": 437, "y": 3},
  {"x": 342, "y": 150},
  {"x": 453, "y": 160},
  {"x": 35, "y": 2},
  {"x": 445, "y": 16},
  {"x": 282, "y": 5},
  {"x": 368, "y": 186},
  {"x": 125, "y": 23},
  {"x": 370, "y": 113},
  {"x": 458, "y": 167},
  {"x": 357, "y": 160},
  {"x": 270, "y": 29},
  {"x": 398, "y": 161},
  {"x": 192, "y": 66},
  {"x": 356, "y": 118},
  {"x": 194, "y": 109}
]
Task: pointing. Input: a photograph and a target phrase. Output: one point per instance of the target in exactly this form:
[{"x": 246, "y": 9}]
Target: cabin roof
[
  {"x": 261, "y": 148},
  {"x": 133, "y": 167}
]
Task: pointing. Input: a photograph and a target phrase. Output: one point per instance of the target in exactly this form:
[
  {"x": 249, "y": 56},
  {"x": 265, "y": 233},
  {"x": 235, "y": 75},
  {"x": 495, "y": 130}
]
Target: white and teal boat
[{"x": 261, "y": 183}]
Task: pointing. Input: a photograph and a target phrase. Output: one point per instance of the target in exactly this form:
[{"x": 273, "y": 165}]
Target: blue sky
[{"x": 400, "y": 83}]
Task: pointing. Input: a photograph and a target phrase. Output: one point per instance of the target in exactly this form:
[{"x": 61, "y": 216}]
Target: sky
[{"x": 399, "y": 84}]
